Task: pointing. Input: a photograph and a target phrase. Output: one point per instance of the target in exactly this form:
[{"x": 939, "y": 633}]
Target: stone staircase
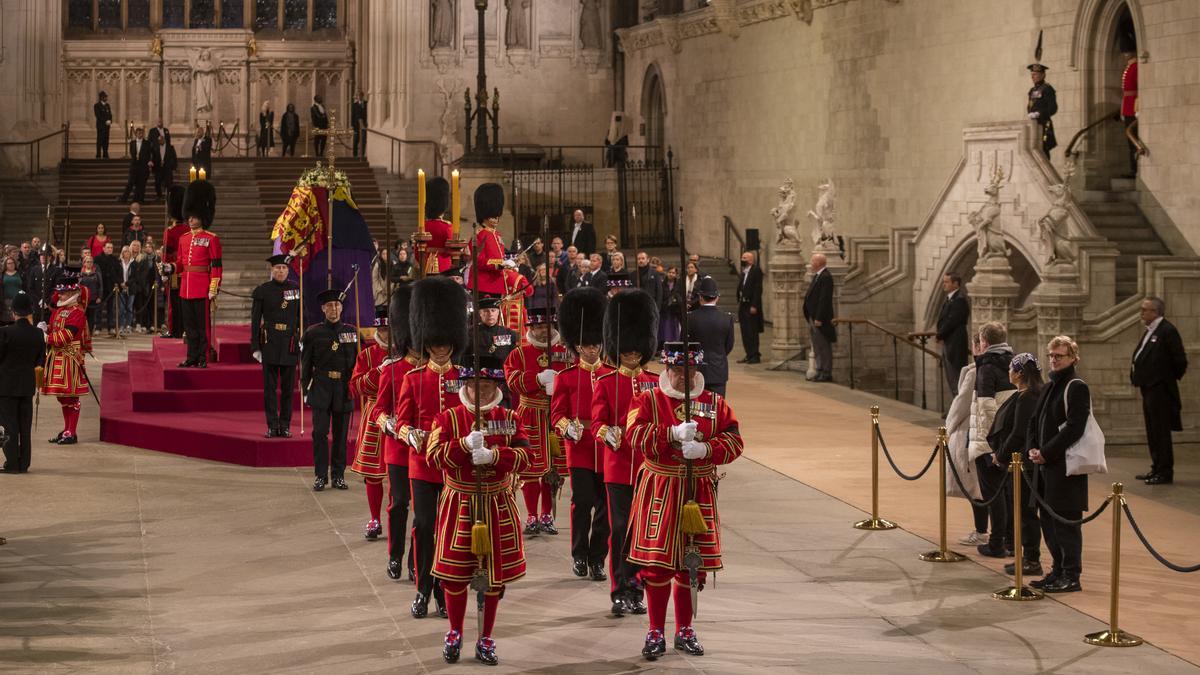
[{"x": 1117, "y": 217}]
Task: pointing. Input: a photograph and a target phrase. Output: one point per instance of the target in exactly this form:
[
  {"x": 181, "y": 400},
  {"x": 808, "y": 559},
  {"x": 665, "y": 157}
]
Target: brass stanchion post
[
  {"x": 1018, "y": 591},
  {"x": 1114, "y": 636},
  {"x": 942, "y": 554},
  {"x": 875, "y": 522}
]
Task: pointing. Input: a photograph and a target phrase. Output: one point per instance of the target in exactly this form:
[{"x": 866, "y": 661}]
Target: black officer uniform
[
  {"x": 104, "y": 117},
  {"x": 1044, "y": 102},
  {"x": 495, "y": 341},
  {"x": 22, "y": 349},
  {"x": 274, "y": 334},
  {"x": 327, "y": 360}
]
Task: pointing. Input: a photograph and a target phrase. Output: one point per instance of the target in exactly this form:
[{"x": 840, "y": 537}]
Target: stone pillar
[
  {"x": 992, "y": 292},
  {"x": 787, "y": 275},
  {"x": 1059, "y": 300}
]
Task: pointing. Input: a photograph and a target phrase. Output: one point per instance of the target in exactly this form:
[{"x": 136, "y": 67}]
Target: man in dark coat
[
  {"x": 319, "y": 118},
  {"x": 818, "y": 312},
  {"x": 104, "y": 119},
  {"x": 582, "y": 234},
  {"x": 358, "y": 120},
  {"x": 22, "y": 350},
  {"x": 141, "y": 162},
  {"x": 326, "y": 363},
  {"x": 1159, "y": 362},
  {"x": 750, "y": 306},
  {"x": 713, "y": 329},
  {"x": 37, "y": 282},
  {"x": 289, "y": 130},
  {"x": 647, "y": 279},
  {"x": 274, "y": 342},
  {"x": 1043, "y": 103},
  {"x": 952, "y": 329},
  {"x": 202, "y": 147}
]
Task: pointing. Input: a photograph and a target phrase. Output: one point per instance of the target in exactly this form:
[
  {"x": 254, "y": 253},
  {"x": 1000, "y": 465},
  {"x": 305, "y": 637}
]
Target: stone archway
[{"x": 654, "y": 113}]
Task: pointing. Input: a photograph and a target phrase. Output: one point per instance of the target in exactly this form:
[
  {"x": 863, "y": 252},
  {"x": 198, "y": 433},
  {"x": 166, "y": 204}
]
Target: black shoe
[
  {"x": 282, "y": 432},
  {"x": 271, "y": 433},
  {"x": 753, "y": 361},
  {"x": 634, "y": 605},
  {"x": 453, "y": 647},
  {"x": 319, "y": 484},
  {"x": 1145, "y": 476},
  {"x": 202, "y": 363},
  {"x": 394, "y": 568},
  {"x": 58, "y": 438},
  {"x": 1160, "y": 479},
  {"x": 1047, "y": 580},
  {"x": 485, "y": 651},
  {"x": 1031, "y": 568},
  {"x": 340, "y": 483},
  {"x": 743, "y": 360},
  {"x": 187, "y": 364},
  {"x": 68, "y": 440},
  {"x": 598, "y": 572},
  {"x": 618, "y": 607},
  {"x": 373, "y": 529},
  {"x": 1063, "y": 585},
  {"x": 988, "y": 551},
  {"x": 547, "y": 525},
  {"x": 439, "y": 602},
  {"x": 532, "y": 527},
  {"x": 685, "y": 641},
  {"x": 579, "y": 568},
  {"x": 420, "y": 606},
  {"x": 656, "y": 645}
]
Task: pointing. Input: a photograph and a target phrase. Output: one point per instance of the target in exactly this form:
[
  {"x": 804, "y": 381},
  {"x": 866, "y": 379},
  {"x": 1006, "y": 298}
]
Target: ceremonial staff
[
  {"x": 292, "y": 255},
  {"x": 552, "y": 478},
  {"x": 637, "y": 276},
  {"x": 691, "y": 520},
  {"x": 481, "y": 540}
]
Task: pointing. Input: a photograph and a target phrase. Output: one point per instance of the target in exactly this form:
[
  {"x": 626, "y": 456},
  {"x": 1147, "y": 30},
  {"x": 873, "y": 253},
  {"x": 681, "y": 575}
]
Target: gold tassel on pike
[
  {"x": 481, "y": 540},
  {"x": 692, "y": 520}
]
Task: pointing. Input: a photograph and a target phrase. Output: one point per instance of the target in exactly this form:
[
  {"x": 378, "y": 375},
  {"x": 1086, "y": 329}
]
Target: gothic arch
[
  {"x": 1095, "y": 18},
  {"x": 1027, "y": 271},
  {"x": 654, "y": 111}
]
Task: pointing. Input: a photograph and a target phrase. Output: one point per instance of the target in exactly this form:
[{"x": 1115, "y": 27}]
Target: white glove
[
  {"x": 42, "y": 326},
  {"x": 694, "y": 450},
  {"x": 684, "y": 431},
  {"x": 612, "y": 436},
  {"x": 510, "y": 263},
  {"x": 546, "y": 379},
  {"x": 416, "y": 438},
  {"x": 574, "y": 430},
  {"x": 257, "y": 355},
  {"x": 389, "y": 361},
  {"x": 481, "y": 456},
  {"x": 475, "y": 441},
  {"x": 389, "y": 425},
  {"x": 1034, "y": 115}
]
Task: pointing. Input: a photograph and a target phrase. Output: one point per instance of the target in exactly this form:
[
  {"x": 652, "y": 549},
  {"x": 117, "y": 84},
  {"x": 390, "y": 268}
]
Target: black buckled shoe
[
  {"x": 532, "y": 527},
  {"x": 453, "y": 647},
  {"x": 656, "y": 645},
  {"x": 485, "y": 651},
  {"x": 598, "y": 572},
  {"x": 634, "y": 604},
  {"x": 394, "y": 568},
  {"x": 579, "y": 567},
  {"x": 373, "y": 530},
  {"x": 686, "y": 641},
  {"x": 340, "y": 483},
  {"x": 420, "y": 606},
  {"x": 68, "y": 440},
  {"x": 547, "y": 525},
  {"x": 57, "y": 439},
  {"x": 319, "y": 484}
]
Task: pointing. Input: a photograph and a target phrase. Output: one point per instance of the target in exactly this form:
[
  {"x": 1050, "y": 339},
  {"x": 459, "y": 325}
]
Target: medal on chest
[
  {"x": 334, "y": 347},
  {"x": 283, "y": 305},
  {"x": 543, "y": 361}
]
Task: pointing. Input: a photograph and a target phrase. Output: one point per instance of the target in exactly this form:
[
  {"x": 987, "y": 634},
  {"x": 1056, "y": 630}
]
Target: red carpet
[{"x": 215, "y": 413}]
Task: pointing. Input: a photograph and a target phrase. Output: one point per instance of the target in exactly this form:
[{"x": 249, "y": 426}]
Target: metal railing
[
  {"x": 912, "y": 340},
  {"x": 1114, "y": 116},
  {"x": 396, "y": 153},
  {"x": 34, "y": 147},
  {"x": 731, "y": 234},
  {"x": 537, "y": 156}
]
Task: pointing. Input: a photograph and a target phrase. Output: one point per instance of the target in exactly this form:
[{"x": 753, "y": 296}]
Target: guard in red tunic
[
  {"x": 487, "y": 251},
  {"x": 517, "y": 290},
  {"x": 530, "y": 377},
  {"x": 364, "y": 387},
  {"x": 437, "y": 203},
  {"x": 437, "y": 319},
  {"x": 667, "y": 438},
  {"x": 630, "y": 336},
  {"x": 198, "y": 263},
  {"x": 171, "y": 235},
  {"x": 496, "y": 454},
  {"x": 1129, "y": 98},
  {"x": 581, "y": 325},
  {"x": 395, "y": 452},
  {"x": 67, "y": 341}
]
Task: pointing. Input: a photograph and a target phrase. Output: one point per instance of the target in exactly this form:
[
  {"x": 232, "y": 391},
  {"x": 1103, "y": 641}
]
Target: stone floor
[{"x": 126, "y": 560}]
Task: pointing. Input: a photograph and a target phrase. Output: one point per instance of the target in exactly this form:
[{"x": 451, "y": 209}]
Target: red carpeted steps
[{"x": 215, "y": 413}]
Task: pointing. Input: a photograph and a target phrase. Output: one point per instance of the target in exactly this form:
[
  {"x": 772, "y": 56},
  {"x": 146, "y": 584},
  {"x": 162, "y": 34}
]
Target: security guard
[
  {"x": 328, "y": 352},
  {"x": 274, "y": 342}
]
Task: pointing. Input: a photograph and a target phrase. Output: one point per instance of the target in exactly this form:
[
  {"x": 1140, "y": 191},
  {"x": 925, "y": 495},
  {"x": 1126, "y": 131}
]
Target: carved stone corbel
[
  {"x": 803, "y": 10},
  {"x": 725, "y": 13}
]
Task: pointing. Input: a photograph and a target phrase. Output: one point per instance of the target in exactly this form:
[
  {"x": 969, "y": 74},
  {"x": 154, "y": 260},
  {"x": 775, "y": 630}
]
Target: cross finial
[{"x": 332, "y": 133}]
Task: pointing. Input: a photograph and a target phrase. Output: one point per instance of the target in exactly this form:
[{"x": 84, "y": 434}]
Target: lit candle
[
  {"x": 202, "y": 173},
  {"x": 420, "y": 200},
  {"x": 455, "y": 204},
  {"x": 191, "y": 174}
]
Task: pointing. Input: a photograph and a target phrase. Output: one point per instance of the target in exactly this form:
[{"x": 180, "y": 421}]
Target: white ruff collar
[
  {"x": 483, "y": 407},
  {"x": 541, "y": 345},
  {"x": 697, "y": 385}
]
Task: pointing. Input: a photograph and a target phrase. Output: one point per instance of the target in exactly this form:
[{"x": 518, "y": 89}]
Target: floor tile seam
[{"x": 142, "y": 546}]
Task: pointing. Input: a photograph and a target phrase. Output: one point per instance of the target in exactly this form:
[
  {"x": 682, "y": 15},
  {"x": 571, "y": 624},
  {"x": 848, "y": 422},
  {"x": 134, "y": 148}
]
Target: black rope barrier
[
  {"x": 888, "y": 455},
  {"x": 1065, "y": 521},
  {"x": 1157, "y": 556},
  {"x": 236, "y": 295},
  {"x": 978, "y": 502}
]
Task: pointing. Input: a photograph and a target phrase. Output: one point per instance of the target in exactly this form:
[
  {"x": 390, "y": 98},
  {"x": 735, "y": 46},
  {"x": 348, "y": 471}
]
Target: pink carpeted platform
[{"x": 215, "y": 413}]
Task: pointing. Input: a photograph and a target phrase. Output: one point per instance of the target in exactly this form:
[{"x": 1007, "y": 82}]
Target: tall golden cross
[{"x": 332, "y": 133}]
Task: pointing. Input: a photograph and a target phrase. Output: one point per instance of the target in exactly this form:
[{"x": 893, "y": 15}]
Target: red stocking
[
  {"x": 547, "y": 497},
  {"x": 658, "y": 594},
  {"x": 374, "y": 497},
  {"x": 70, "y": 410},
  {"x": 531, "y": 490},
  {"x": 682, "y": 595},
  {"x": 491, "y": 602},
  {"x": 456, "y": 603}
]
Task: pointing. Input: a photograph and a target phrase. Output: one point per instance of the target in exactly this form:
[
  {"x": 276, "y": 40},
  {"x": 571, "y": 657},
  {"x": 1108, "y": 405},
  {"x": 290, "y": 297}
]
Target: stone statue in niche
[
  {"x": 823, "y": 234},
  {"x": 986, "y": 221},
  {"x": 449, "y": 144},
  {"x": 591, "y": 34},
  {"x": 204, "y": 80},
  {"x": 783, "y": 213},
  {"x": 1053, "y": 227},
  {"x": 441, "y": 24},
  {"x": 516, "y": 32}
]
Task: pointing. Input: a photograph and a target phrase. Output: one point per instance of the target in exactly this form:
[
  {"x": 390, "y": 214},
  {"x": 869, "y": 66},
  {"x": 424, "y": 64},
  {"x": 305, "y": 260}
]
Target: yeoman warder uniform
[
  {"x": 368, "y": 445},
  {"x": 68, "y": 340}
]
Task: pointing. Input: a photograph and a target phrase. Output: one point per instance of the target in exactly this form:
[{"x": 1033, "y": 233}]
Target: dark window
[
  {"x": 266, "y": 14},
  {"x": 172, "y": 13},
  {"x": 324, "y": 14},
  {"x": 110, "y": 13},
  {"x": 231, "y": 13},
  {"x": 295, "y": 14},
  {"x": 203, "y": 12},
  {"x": 79, "y": 13},
  {"x": 139, "y": 13}
]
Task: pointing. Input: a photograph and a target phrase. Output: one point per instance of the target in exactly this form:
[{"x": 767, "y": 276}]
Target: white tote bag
[{"x": 1087, "y": 454}]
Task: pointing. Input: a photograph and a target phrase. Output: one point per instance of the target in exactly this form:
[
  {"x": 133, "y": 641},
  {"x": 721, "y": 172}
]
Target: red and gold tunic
[
  {"x": 520, "y": 372},
  {"x": 572, "y": 401},
  {"x": 453, "y": 560},
  {"x": 611, "y": 405},
  {"x": 437, "y": 256},
  {"x": 198, "y": 263},
  {"x": 170, "y": 240},
  {"x": 67, "y": 340},
  {"x": 516, "y": 289},
  {"x": 387, "y": 404},
  {"x": 427, "y": 391},
  {"x": 488, "y": 255},
  {"x": 1129, "y": 90},
  {"x": 654, "y": 534},
  {"x": 364, "y": 386}
]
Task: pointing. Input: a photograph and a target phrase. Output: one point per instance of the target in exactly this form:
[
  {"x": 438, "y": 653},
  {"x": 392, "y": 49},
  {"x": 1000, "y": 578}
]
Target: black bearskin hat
[
  {"x": 581, "y": 317},
  {"x": 200, "y": 200},
  {"x": 437, "y": 198},
  {"x": 175, "y": 203},
  {"x": 401, "y": 337},
  {"x": 489, "y": 201},
  {"x": 437, "y": 314},
  {"x": 631, "y": 325}
]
